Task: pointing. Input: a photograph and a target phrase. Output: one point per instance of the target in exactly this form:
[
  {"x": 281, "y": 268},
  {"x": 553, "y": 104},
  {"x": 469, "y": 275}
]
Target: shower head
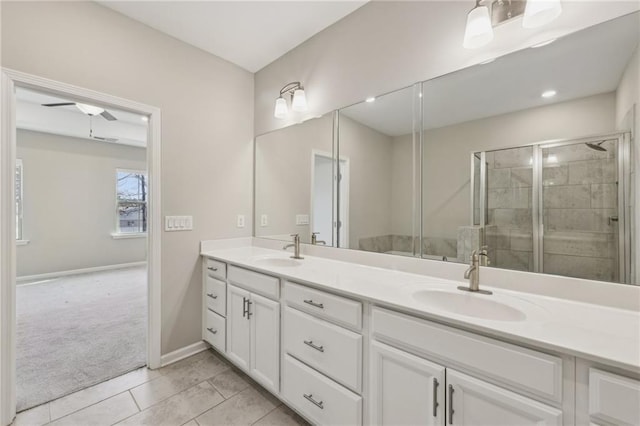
[{"x": 596, "y": 146}]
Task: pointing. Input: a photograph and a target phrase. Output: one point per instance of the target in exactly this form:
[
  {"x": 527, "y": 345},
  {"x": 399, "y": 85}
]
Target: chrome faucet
[
  {"x": 314, "y": 239},
  {"x": 296, "y": 247},
  {"x": 473, "y": 273}
]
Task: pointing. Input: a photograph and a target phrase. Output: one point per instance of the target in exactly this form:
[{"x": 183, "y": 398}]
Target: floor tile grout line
[
  {"x": 87, "y": 406},
  {"x": 274, "y": 409},
  {"x": 134, "y": 400}
]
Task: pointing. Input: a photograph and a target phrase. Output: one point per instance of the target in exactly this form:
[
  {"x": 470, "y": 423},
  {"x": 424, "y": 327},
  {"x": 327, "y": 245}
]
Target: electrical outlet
[
  {"x": 264, "y": 220},
  {"x": 240, "y": 221}
]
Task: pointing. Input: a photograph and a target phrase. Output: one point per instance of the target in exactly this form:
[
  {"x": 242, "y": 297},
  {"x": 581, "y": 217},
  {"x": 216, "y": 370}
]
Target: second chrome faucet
[{"x": 296, "y": 247}]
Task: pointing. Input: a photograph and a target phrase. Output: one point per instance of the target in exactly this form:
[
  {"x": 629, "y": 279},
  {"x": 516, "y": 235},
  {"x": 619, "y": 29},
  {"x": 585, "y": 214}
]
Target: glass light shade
[
  {"x": 89, "y": 109},
  {"x": 479, "y": 30},
  {"x": 540, "y": 12},
  {"x": 299, "y": 102},
  {"x": 281, "y": 108}
]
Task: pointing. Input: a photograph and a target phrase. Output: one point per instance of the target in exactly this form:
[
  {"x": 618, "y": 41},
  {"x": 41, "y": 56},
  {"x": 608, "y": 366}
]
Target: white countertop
[{"x": 594, "y": 332}]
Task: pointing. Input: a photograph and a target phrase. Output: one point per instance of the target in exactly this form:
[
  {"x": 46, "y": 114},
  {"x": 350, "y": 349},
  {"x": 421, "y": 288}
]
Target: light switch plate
[
  {"x": 264, "y": 220},
  {"x": 240, "y": 221},
  {"x": 178, "y": 223},
  {"x": 302, "y": 219}
]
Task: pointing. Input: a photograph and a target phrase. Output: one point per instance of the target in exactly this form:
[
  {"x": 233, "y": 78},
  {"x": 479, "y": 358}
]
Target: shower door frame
[{"x": 623, "y": 167}]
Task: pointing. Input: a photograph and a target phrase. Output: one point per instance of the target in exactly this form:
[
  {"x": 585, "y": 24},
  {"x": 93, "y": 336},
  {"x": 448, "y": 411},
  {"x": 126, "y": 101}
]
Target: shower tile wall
[
  {"x": 509, "y": 198},
  {"x": 579, "y": 198}
]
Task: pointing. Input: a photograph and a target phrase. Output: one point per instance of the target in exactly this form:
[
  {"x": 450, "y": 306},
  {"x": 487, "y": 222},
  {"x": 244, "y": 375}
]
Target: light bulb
[
  {"x": 299, "y": 102},
  {"x": 540, "y": 12},
  {"x": 89, "y": 109},
  {"x": 479, "y": 30},
  {"x": 281, "y": 108}
]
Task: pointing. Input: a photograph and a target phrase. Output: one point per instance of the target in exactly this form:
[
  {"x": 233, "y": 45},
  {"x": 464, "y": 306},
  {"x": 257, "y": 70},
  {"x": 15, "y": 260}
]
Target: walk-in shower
[{"x": 557, "y": 207}]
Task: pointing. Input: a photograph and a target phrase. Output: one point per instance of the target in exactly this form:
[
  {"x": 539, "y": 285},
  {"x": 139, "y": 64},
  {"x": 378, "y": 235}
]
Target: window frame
[{"x": 118, "y": 234}]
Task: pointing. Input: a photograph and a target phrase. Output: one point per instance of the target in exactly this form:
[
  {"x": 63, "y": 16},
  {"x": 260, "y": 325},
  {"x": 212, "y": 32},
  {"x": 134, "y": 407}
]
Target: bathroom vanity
[{"x": 344, "y": 343}]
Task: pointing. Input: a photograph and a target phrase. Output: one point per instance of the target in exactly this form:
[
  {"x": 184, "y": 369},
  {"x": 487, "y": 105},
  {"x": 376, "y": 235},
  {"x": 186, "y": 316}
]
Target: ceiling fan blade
[
  {"x": 59, "y": 104},
  {"x": 107, "y": 115}
]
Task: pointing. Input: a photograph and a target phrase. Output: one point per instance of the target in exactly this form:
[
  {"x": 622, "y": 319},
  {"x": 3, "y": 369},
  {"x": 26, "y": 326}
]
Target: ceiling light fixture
[
  {"x": 89, "y": 109},
  {"x": 298, "y": 100},
  {"x": 144, "y": 118},
  {"x": 549, "y": 94},
  {"x": 488, "y": 14},
  {"x": 370, "y": 99}
]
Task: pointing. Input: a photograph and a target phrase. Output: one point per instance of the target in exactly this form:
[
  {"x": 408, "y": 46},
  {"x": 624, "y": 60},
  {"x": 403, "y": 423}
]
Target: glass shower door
[{"x": 579, "y": 203}]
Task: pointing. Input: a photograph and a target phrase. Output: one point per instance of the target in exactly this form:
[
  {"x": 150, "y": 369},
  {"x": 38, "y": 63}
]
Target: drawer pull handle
[
  {"x": 312, "y": 303},
  {"x": 309, "y": 397},
  {"x": 244, "y": 307},
  {"x": 316, "y": 347},
  {"x": 435, "y": 397},
  {"x": 211, "y": 295},
  {"x": 451, "y": 411},
  {"x": 211, "y": 268},
  {"x": 212, "y": 331},
  {"x": 249, "y": 303}
]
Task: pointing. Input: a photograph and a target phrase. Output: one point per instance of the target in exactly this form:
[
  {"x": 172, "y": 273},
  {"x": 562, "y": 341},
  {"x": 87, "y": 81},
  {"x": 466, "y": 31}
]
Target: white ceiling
[
  {"x": 586, "y": 63},
  {"x": 128, "y": 129},
  {"x": 250, "y": 34}
]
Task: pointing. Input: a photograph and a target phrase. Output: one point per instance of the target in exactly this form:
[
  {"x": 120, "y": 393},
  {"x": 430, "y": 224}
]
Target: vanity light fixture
[
  {"x": 298, "y": 100},
  {"x": 487, "y": 14},
  {"x": 549, "y": 94}
]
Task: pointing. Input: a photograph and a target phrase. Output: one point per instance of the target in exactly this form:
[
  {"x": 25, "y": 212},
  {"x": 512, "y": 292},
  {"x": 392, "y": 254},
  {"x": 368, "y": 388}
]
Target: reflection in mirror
[
  {"x": 294, "y": 182},
  {"x": 562, "y": 207},
  {"x": 376, "y": 141}
]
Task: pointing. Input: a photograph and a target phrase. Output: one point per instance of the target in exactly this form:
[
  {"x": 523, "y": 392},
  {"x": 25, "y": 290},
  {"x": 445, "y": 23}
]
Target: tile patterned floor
[{"x": 202, "y": 390}]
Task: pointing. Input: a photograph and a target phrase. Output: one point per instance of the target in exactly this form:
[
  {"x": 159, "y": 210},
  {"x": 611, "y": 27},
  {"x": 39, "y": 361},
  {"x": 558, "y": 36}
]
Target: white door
[
  {"x": 476, "y": 403},
  {"x": 405, "y": 389},
  {"x": 238, "y": 326},
  {"x": 265, "y": 341}
]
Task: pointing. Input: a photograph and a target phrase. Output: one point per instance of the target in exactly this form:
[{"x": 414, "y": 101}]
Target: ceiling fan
[{"x": 90, "y": 110}]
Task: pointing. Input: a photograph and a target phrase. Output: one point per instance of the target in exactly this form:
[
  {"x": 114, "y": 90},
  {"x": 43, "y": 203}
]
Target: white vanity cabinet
[
  {"x": 253, "y": 326},
  {"x": 607, "y": 398},
  {"x": 214, "y": 303},
  {"x": 414, "y": 377}
]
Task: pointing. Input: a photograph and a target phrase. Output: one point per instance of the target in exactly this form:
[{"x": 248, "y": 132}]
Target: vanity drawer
[
  {"x": 520, "y": 368},
  {"x": 332, "y": 350},
  {"x": 216, "y": 295},
  {"x": 214, "y": 332},
  {"x": 321, "y": 399},
  {"x": 265, "y": 285},
  {"x": 216, "y": 269},
  {"x": 613, "y": 399},
  {"x": 343, "y": 311}
]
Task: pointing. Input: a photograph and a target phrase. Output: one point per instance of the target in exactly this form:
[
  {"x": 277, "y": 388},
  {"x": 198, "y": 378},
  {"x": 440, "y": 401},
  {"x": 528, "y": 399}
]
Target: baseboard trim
[
  {"x": 183, "y": 353},
  {"x": 78, "y": 271}
]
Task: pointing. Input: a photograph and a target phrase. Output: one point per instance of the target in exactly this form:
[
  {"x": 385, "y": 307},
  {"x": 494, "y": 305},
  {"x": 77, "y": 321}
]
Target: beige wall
[
  {"x": 69, "y": 203},
  {"x": 402, "y": 173},
  {"x": 447, "y": 151},
  {"x": 386, "y": 45},
  {"x": 207, "y": 125}
]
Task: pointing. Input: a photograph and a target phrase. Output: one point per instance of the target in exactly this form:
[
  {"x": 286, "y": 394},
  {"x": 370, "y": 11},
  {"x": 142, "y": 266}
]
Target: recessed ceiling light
[
  {"x": 144, "y": 118},
  {"x": 544, "y": 43},
  {"x": 549, "y": 93},
  {"x": 370, "y": 99}
]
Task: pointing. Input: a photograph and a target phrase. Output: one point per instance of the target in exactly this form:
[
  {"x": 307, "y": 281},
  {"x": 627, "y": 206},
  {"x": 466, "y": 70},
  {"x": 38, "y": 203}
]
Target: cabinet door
[
  {"x": 405, "y": 389},
  {"x": 238, "y": 326},
  {"x": 265, "y": 341},
  {"x": 473, "y": 402}
]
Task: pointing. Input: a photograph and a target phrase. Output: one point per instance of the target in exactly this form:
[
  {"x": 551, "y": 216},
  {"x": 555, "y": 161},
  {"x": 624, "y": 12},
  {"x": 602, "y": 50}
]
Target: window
[
  {"x": 132, "y": 193},
  {"x": 19, "y": 200}
]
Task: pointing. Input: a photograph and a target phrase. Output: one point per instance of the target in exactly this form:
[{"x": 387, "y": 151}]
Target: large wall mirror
[{"x": 530, "y": 157}]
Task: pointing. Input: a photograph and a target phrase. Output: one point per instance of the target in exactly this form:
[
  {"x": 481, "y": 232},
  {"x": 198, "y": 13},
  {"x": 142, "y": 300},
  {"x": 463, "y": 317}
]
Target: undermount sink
[
  {"x": 470, "y": 305},
  {"x": 278, "y": 261}
]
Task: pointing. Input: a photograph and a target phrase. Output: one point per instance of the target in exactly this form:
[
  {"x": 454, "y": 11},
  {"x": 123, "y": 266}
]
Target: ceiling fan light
[
  {"x": 299, "y": 102},
  {"x": 540, "y": 12},
  {"x": 89, "y": 109},
  {"x": 479, "y": 30},
  {"x": 281, "y": 108}
]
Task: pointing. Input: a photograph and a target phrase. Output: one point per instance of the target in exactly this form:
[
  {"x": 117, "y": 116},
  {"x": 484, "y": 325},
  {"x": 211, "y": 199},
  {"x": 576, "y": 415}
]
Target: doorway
[{"x": 15, "y": 226}]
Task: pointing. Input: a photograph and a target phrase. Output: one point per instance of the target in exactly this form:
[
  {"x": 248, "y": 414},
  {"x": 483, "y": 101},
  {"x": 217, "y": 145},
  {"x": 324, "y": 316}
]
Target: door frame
[{"x": 10, "y": 79}]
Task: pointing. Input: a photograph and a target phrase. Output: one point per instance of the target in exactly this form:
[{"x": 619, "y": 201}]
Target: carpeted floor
[{"x": 73, "y": 332}]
